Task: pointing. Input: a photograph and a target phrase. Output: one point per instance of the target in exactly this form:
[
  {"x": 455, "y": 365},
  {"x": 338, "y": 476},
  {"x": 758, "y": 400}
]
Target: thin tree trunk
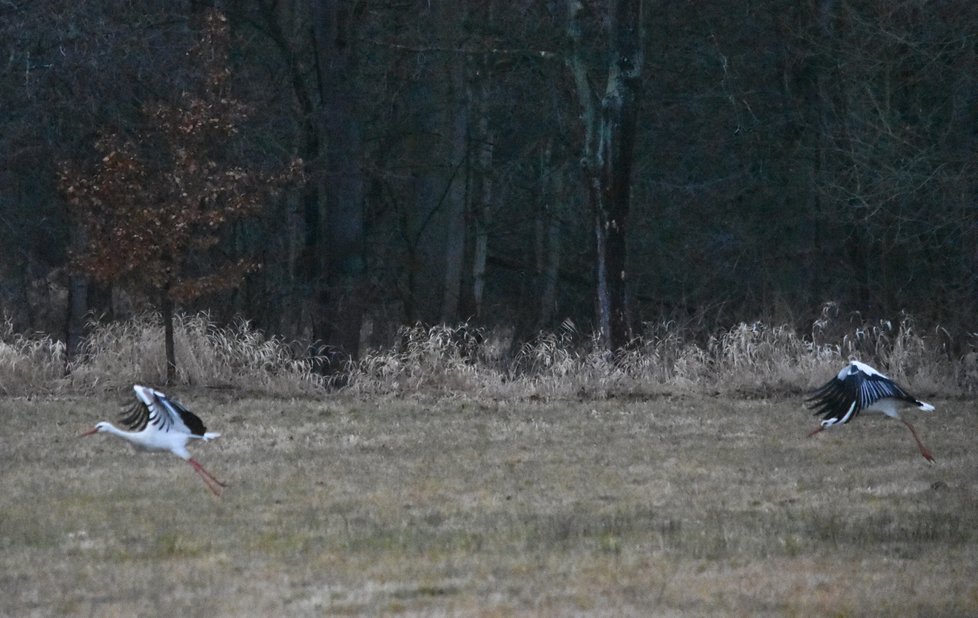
[
  {"x": 77, "y": 304},
  {"x": 482, "y": 212},
  {"x": 166, "y": 309},
  {"x": 548, "y": 235},
  {"x": 77, "y": 313},
  {"x": 290, "y": 318},
  {"x": 456, "y": 197},
  {"x": 425, "y": 245},
  {"x": 551, "y": 276},
  {"x": 479, "y": 255},
  {"x": 603, "y": 301}
]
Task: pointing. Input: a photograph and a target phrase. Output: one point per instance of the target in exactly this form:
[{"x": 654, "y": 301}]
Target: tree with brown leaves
[{"x": 153, "y": 206}]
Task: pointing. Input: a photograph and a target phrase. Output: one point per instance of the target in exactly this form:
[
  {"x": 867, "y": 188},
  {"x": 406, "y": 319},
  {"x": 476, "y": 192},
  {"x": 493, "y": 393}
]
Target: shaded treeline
[{"x": 785, "y": 154}]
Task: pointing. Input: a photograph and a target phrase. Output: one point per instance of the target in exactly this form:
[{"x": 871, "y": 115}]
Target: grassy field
[{"x": 672, "y": 505}]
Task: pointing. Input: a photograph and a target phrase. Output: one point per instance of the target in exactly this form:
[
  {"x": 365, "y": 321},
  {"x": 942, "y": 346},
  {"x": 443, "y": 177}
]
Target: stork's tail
[
  {"x": 210, "y": 435},
  {"x": 924, "y": 406}
]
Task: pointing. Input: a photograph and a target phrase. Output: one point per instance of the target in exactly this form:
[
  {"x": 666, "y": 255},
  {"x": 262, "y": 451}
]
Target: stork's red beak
[{"x": 89, "y": 432}]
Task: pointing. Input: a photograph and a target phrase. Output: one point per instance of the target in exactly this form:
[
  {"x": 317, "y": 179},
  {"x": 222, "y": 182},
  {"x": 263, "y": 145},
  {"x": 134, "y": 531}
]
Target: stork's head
[{"x": 98, "y": 428}]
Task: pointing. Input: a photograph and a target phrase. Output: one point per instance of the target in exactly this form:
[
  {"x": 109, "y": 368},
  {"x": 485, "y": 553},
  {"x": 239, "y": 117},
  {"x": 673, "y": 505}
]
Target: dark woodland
[{"x": 330, "y": 169}]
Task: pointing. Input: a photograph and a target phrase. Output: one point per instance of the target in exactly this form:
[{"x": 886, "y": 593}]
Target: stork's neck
[{"x": 130, "y": 436}]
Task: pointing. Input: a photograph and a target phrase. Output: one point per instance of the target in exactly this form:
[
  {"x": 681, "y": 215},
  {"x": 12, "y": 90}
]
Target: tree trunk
[
  {"x": 166, "y": 310},
  {"x": 77, "y": 313},
  {"x": 456, "y": 194},
  {"x": 608, "y": 152},
  {"x": 77, "y": 304},
  {"x": 548, "y": 235},
  {"x": 482, "y": 210},
  {"x": 480, "y": 254},
  {"x": 341, "y": 301},
  {"x": 425, "y": 245},
  {"x": 284, "y": 26}
]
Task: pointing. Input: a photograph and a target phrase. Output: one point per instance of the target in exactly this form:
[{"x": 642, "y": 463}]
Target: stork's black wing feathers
[
  {"x": 843, "y": 397},
  {"x": 141, "y": 414},
  {"x": 834, "y": 399},
  {"x": 136, "y": 417},
  {"x": 191, "y": 420},
  {"x": 162, "y": 412}
]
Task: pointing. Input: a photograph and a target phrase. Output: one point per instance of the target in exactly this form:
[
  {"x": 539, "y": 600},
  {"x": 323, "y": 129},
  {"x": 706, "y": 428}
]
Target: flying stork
[
  {"x": 157, "y": 423},
  {"x": 860, "y": 388}
]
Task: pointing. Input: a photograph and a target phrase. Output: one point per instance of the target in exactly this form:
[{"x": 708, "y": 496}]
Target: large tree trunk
[
  {"x": 285, "y": 23},
  {"x": 341, "y": 301},
  {"x": 608, "y": 152}
]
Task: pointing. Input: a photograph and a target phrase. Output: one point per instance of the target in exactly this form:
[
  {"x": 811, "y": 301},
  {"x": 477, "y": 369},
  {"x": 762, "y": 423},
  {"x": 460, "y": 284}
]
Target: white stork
[
  {"x": 157, "y": 423},
  {"x": 860, "y": 388}
]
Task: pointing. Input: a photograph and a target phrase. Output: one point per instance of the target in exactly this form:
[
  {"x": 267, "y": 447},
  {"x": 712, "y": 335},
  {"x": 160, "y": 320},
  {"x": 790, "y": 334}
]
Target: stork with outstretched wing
[
  {"x": 157, "y": 423},
  {"x": 860, "y": 388}
]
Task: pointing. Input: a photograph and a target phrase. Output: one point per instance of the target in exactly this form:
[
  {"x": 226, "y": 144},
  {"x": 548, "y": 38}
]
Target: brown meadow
[
  {"x": 456, "y": 474},
  {"x": 678, "y": 504}
]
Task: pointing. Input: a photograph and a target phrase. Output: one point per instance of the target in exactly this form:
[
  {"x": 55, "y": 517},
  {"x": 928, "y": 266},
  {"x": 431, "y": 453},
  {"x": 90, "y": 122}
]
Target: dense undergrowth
[{"x": 755, "y": 359}]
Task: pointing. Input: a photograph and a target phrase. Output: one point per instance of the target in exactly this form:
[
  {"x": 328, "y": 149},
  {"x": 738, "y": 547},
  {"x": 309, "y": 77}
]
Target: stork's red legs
[
  {"x": 923, "y": 449},
  {"x": 920, "y": 445},
  {"x": 209, "y": 479}
]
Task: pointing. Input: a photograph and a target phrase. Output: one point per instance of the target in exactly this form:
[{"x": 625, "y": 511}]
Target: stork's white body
[
  {"x": 151, "y": 440},
  {"x": 860, "y": 388},
  {"x": 157, "y": 423}
]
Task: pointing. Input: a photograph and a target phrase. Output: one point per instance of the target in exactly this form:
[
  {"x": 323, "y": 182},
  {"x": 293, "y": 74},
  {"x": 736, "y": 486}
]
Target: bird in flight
[
  {"x": 157, "y": 423},
  {"x": 860, "y": 388}
]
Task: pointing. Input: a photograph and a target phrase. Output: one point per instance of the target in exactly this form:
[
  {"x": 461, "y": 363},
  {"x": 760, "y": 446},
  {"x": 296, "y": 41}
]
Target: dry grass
[
  {"x": 678, "y": 504},
  {"x": 117, "y": 354},
  {"x": 748, "y": 359},
  {"x": 28, "y": 364},
  {"x": 456, "y": 475},
  {"x": 754, "y": 359}
]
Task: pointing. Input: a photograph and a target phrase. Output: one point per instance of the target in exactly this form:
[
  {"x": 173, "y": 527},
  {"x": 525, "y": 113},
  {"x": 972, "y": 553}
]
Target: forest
[{"x": 330, "y": 170}]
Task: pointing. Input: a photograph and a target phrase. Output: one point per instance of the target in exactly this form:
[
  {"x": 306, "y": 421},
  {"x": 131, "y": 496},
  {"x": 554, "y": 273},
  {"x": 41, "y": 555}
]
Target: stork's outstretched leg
[
  {"x": 923, "y": 449},
  {"x": 209, "y": 479},
  {"x": 817, "y": 429}
]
